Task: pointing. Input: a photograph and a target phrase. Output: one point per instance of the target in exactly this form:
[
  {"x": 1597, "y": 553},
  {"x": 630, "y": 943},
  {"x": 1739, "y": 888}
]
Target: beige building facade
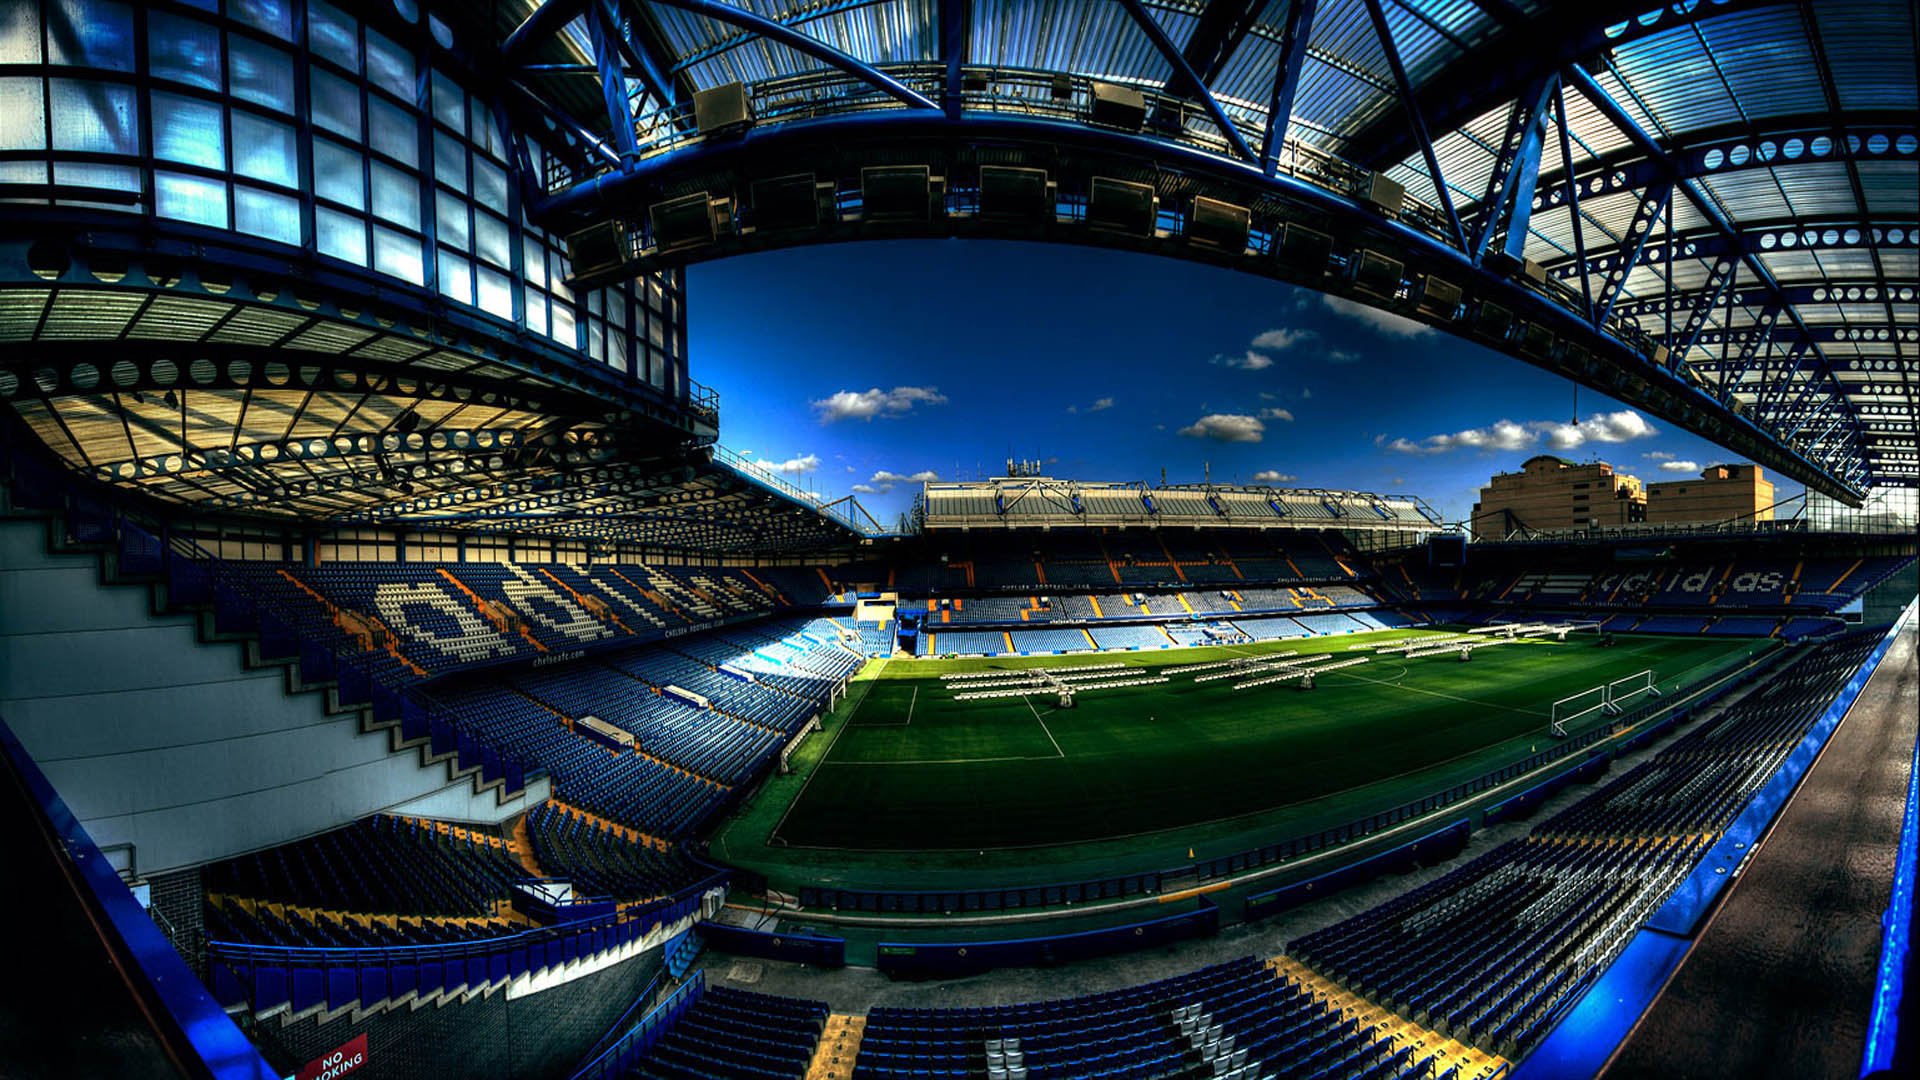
[{"x": 1550, "y": 493}]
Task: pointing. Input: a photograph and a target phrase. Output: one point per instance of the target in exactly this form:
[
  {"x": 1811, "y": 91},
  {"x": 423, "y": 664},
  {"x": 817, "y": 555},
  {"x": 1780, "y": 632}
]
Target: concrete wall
[{"x": 171, "y": 746}]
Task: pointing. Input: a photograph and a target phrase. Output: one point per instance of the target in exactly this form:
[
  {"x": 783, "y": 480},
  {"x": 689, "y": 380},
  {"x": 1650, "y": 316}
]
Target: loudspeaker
[
  {"x": 1122, "y": 205},
  {"x": 1306, "y": 249},
  {"x": 1493, "y": 321},
  {"x": 599, "y": 249},
  {"x": 1118, "y": 106},
  {"x": 1220, "y": 224},
  {"x": 1536, "y": 341},
  {"x": 1439, "y": 298},
  {"x": 973, "y": 82},
  {"x": 1377, "y": 274},
  {"x": 1503, "y": 263},
  {"x": 1383, "y": 194},
  {"x": 786, "y": 202},
  {"x": 1008, "y": 192},
  {"x": 895, "y": 193},
  {"x": 1062, "y": 87},
  {"x": 682, "y": 222},
  {"x": 721, "y": 108},
  {"x": 1659, "y": 356}
]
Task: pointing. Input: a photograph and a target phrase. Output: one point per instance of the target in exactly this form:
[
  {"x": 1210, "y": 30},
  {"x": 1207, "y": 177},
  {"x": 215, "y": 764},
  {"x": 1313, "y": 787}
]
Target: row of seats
[
  {"x": 737, "y": 1034},
  {"x": 381, "y": 865},
  {"x": 598, "y": 861}
]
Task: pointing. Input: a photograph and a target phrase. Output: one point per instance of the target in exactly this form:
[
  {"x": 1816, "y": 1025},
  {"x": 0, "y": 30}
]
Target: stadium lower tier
[{"x": 1460, "y": 977}]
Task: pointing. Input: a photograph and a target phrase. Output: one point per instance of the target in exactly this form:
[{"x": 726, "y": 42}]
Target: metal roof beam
[
  {"x": 1223, "y": 25},
  {"x": 1286, "y": 81},
  {"x": 956, "y": 21},
  {"x": 542, "y": 23},
  {"x": 1507, "y": 207},
  {"x": 1499, "y": 71},
  {"x": 1164, "y": 45},
  {"x": 805, "y": 45},
  {"x": 1411, "y": 104}
]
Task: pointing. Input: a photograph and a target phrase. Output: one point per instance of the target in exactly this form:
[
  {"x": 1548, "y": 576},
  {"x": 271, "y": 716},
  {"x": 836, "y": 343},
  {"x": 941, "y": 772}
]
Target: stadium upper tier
[
  {"x": 1037, "y": 502},
  {"x": 1706, "y": 209}
]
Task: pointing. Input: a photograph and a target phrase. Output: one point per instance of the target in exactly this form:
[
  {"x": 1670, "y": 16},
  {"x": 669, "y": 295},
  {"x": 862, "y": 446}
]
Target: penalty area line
[{"x": 1043, "y": 727}]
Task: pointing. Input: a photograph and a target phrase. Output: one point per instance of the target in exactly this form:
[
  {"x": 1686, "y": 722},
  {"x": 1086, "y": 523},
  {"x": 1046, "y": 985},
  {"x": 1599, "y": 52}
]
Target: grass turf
[{"x": 910, "y": 788}]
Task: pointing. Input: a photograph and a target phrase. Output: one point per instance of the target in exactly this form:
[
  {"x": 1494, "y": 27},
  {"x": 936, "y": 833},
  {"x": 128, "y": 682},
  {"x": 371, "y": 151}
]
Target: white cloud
[
  {"x": 1384, "y": 323},
  {"x": 1226, "y": 427},
  {"x": 1276, "y": 414},
  {"x": 1680, "y": 466},
  {"x": 1657, "y": 455},
  {"x": 1249, "y": 361},
  {"x": 867, "y": 404},
  {"x": 1306, "y": 393},
  {"x": 884, "y": 480},
  {"x": 1272, "y": 476},
  {"x": 1342, "y": 356},
  {"x": 1280, "y": 340},
  {"x": 794, "y": 466},
  {"x": 1615, "y": 427},
  {"x": 1101, "y": 405}
]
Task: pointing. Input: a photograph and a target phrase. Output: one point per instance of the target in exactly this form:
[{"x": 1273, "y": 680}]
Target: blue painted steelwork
[
  {"x": 1411, "y": 104},
  {"x": 197, "y": 1022},
  {"x": 1593, "y": 1028},
  {"x": 1506, "y": 208},
  {"x": 1883, "y": 1022},
  {"x": 806, "y": 45},
  {"x": 613, "y": 82},
  {"x": 543, "y": 22},
  {"x": 1286, "y": 81},
  {"x": 1633, "y": 247},
  {"x": 1158, "y": 36}
]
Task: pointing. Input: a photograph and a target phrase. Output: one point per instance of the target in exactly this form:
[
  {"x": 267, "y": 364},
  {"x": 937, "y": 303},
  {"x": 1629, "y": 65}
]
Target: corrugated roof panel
[
  {"x": 1869, "y": 44},
  {"x": 1819, "y": 189},
  {"x": 1762, "y": 55},
  {"x": 1748, "y": 195},
  {"x": 1671, "y": 76},
  {"x": 1890, "y": 187}
]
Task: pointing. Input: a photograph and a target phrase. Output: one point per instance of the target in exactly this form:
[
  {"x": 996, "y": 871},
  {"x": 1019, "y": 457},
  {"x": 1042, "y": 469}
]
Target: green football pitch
[{"x": 906, "y": 780}]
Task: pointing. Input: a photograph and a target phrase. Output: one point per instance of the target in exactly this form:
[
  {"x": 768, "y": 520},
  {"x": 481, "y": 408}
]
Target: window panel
[
  {"x": 273, "y": 16},
  {"x": 449, "y": 103},
  {"x": 23, "y": 115},
  {"x": 332, "y": 35},
  {"x": 336, "y": 105},
  {"x": 484, "y": 132},
  {"x": 20, "y": 33},
  {"x": 495, "y": 293},
  {"x": 450, "y": 222},
  {"x": 189, "y": 131},
  {"x": 491, "y": 240},
  {"x": 489, "y": 183},
  {"x": 398, "y": 256},
  {"x": 337, "y": 175},
  {"x": 93, "y": 117},
  {"x": 456, "y": 277},
  {"x": 183, "y": 50},
  {"x": 393, "y": 132},
  {"x": 178, "y": 197},
  {"x": 396, "y": 196},
  {"x": 449, "y": 161},
  {"x": 390, "y": 68},
  {"x": 89, "y": 174},
  {"x": 536, "y": 311},
  {"x": 90, "y": 33},
  {"x": 341, "y": 236},
  {"x": 563, "y": 328},
  {"x": 260, "y": 73},
  {"x": 533, "y": 261},
  {"x": 264, "y": 150},
  {"x": 266, "y": 215}
]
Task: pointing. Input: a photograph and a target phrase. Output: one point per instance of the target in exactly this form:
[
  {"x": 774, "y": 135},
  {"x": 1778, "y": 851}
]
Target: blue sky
[{"x": 851, "y": 368}]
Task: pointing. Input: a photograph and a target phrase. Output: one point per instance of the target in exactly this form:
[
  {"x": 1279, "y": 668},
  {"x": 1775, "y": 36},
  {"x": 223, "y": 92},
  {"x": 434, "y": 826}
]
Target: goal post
[
  {"x": 1575, "y": 707},
  {"x": 1621, "y": 691}
]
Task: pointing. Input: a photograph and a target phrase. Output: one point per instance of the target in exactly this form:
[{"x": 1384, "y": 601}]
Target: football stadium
[{"x": 960, "y": 539}]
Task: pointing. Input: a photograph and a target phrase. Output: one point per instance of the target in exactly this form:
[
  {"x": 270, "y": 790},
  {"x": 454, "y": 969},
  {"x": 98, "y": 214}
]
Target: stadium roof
[
  {"x": 1045, "y": 503},
  {"x": 1735, "y": 179}
]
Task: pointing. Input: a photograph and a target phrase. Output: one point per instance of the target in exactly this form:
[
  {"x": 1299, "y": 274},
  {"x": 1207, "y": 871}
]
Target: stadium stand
[{"x": 734, "y": 1033}]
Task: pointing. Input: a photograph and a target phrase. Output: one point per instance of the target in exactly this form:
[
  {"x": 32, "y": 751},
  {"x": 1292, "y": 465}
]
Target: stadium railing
[
  {"x": 266, "y": 977},
  {"x": 946, "y": 959},
  {"x": 617, "y": 1061}
]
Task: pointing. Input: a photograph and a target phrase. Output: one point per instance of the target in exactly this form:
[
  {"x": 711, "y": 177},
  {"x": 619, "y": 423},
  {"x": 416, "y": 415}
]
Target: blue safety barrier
[
  {"x": 942, "y": 959},
  {"x": 818, "y": 950}
]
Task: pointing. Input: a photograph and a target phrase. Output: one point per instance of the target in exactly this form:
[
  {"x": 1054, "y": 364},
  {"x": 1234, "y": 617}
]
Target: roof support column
[
  {"x": 1286, "y": 80},
  {"x": 1412, "y": 104}
]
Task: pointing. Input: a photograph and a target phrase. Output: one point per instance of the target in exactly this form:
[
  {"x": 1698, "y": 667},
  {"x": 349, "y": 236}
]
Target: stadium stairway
[{"x": 105, "y": 620}]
